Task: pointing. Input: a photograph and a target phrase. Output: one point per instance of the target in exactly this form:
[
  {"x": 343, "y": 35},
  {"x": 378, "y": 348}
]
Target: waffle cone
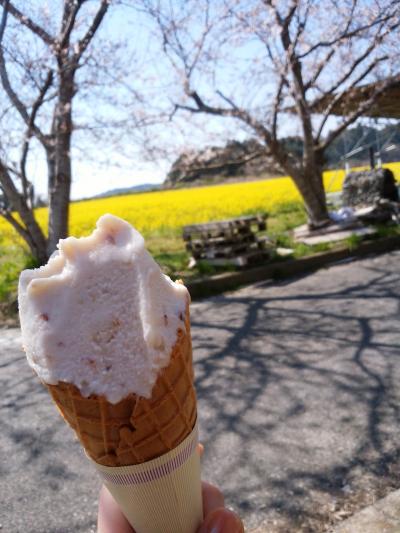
[{"x": 136, "y": 429}]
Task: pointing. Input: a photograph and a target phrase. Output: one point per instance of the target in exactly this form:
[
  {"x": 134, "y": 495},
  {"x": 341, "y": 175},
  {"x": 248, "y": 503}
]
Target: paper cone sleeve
[{"x": 136, "y": 429}]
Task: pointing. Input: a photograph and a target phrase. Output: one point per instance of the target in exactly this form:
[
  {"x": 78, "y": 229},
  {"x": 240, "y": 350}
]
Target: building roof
[{"x": 387, "y": 104}]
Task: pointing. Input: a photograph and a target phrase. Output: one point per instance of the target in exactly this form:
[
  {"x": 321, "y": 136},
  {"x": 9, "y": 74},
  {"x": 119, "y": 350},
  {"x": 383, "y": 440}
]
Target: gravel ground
[{"x": 298, "y": 404}]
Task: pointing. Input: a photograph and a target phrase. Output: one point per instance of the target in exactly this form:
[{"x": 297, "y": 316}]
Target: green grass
[
  {"x": 13, "y": 259},
  {"x": 353, "y": 241}
]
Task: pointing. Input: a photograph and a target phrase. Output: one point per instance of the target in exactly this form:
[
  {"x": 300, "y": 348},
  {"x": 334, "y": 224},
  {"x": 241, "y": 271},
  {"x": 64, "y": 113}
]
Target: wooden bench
[{"x": 228, "y": 242}]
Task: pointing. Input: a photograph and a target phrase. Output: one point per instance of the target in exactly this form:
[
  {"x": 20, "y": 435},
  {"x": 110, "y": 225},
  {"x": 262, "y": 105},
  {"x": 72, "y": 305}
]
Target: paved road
[{"x": 299, "y": 406}]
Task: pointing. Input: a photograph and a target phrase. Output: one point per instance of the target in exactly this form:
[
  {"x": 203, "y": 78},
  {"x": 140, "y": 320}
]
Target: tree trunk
[
  {"x": 311, "y": 187},
  {"x": 30, "y": 231},
  {"x": 59, "y": 162},
  {"x": 59, "y": 193},
  {"x": 32, "y": 234}
]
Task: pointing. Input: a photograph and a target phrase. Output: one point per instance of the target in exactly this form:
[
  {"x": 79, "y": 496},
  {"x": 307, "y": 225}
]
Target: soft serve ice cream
[
  {"x": 109, "y": 336},
  {"x": 101, "y": 315}
]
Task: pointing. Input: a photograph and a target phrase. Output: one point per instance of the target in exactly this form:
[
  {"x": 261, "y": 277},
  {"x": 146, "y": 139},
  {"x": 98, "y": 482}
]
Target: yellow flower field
[{"x": 172, "y": 209}]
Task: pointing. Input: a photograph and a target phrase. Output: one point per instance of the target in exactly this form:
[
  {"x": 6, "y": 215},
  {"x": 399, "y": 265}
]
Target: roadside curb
[
  {"x": 230, "y": 280},
  {"x": 380, "y": 517}
]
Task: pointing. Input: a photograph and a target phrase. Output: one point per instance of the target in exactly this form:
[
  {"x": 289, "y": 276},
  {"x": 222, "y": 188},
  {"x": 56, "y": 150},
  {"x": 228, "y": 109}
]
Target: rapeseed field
[
  {"x": 167, "y": 211},
  {"x": 160, "y": 216}
]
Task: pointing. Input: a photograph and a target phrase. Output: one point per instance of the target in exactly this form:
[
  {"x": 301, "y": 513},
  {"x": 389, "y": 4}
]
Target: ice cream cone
[
  {"x": 107, "y": 333},
  {"x": 136, "y": 429}
]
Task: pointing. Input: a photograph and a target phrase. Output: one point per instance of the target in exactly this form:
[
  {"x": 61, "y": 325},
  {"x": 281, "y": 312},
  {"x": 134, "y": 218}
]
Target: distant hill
[
  {"x": 144, "y": 187},
  {"x": 249, "y": 160},
  {"x": 215, "y": 164}
]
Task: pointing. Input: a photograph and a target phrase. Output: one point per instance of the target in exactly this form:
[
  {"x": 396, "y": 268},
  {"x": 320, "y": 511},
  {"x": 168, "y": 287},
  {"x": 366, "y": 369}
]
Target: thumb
[{"x": 222, "y": 521}]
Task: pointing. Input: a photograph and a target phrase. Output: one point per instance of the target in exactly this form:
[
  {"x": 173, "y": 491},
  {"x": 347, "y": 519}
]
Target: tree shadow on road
[
  {"x": 25, "y": 424},
  {"x": 300, "y": 383}
]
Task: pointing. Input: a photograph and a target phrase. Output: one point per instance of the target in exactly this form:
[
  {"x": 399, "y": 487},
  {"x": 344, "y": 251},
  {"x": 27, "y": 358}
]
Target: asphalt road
[{"x": 298, "y": 404}]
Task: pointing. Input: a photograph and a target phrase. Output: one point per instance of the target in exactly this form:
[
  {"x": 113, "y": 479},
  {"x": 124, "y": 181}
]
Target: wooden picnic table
[{"x": 233, "y": 241}]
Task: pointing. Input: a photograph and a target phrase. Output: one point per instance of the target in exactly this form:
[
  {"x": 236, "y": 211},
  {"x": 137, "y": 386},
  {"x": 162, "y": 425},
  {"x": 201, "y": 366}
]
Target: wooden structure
[
  {"x": 228, "y": 242},
  {"x": 387, "y": 104}
]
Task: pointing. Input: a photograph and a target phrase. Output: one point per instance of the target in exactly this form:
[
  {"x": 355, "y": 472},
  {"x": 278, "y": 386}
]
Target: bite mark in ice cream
[{"x": 101, "y": 315}]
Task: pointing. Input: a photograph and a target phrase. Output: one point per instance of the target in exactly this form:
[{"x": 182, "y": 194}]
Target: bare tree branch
[
  {"x": 29, "y": 23},
  {"x": 3, "y": 72},
  {"x": 288, "y": 19},
  {"x": 4, "y": 19},
  {"x": 17, "y": 103},
  {"x": 323, "y": 63},
  {"x": 347, "y": 34},
  {"x": 7, "y": 215},
  {"x": 200, "y": 46},
  {"x": 31, "y": 125},
  {"x": 31, "y": 231},
  {"x": 68, "y": 22},
  {"x": 361, "y": 58},
  {"x": 275, "y": 147},
  {"x": 297, "y": 86},
  {"x": 84, "y": 42},
  {"x": 339, "y": 96},
  {"x": 276, "y": 108}
]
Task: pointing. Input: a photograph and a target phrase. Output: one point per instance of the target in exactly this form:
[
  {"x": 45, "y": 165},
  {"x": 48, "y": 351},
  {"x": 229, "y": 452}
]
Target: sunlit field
[
  {"x": 167, "y": 211},
  {"x": 161, "y": 215}
]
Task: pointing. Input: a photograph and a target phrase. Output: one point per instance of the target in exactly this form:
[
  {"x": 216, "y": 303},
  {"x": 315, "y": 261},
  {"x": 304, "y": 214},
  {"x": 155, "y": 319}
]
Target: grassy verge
[
  {"x": 167, "y": 246},
  {"x": 13, "y": 259}
]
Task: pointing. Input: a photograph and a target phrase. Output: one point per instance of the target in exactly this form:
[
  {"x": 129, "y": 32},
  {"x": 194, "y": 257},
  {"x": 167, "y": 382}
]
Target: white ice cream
[{"x": 101, "y": 315}]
